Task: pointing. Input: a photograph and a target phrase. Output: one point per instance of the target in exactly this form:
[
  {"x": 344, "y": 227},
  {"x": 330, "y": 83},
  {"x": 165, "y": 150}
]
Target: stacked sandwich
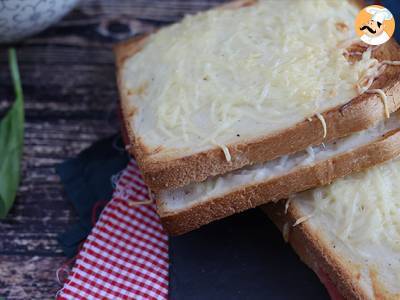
[{"x": 258, "y": 101}]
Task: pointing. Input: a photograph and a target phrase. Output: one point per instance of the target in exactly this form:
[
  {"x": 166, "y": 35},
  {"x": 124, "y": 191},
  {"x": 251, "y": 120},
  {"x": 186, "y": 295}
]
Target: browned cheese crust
[
  {"x": 360, "y": 113},
  {"x": 280, "y": 187},
  {"x": 319, "y": 255}
]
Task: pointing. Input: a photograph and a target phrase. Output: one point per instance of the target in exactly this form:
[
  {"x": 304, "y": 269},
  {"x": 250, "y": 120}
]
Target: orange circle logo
[{"x": 375, "y": 25}]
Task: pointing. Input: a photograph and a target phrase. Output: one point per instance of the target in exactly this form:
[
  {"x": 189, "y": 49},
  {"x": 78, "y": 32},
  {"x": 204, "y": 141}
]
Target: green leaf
[{"x": 11, "y": 142}]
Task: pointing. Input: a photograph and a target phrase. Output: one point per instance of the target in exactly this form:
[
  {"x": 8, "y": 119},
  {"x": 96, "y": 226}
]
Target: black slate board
[{"x": 241, "y": 257}]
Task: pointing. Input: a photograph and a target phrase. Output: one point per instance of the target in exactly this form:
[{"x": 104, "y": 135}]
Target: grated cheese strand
[
  {"x": 383, "y": 96},
  {"x": 366, "y": 81},
  {"x": 287, "y": 205},
  {"x": 391, "y": 62},
  {"x": 323, "y": 123},
  {"x": 144, "y": 202},
  {"x": 137, "y": 203},
  {"x": 301, "y": 220},
  {"x": 227, "y": 154}
]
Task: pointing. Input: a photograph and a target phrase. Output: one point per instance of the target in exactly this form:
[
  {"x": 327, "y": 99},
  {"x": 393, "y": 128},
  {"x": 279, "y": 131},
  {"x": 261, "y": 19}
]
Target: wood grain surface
[{"x": 70, "y": 94}]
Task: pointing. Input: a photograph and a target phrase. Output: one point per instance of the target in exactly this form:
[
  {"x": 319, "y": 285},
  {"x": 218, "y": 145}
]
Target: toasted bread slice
[
  {"x": 350, "y": 235},
  {"x": 190, "y": 207},
  {"x": 170, "y": 157}
]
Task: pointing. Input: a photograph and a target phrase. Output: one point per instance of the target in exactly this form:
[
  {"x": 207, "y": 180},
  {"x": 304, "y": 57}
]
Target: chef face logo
[
  {"x": 375, "y": 25},
  {"x": 372, "y": 28}
]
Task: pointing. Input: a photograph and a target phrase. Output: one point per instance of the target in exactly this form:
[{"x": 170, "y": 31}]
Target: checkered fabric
[{"x": 126, "y": 254}]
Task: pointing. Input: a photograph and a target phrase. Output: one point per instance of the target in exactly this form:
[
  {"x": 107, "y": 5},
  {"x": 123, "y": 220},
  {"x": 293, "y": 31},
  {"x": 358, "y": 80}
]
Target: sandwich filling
[
  {"x": 359, "y": 218},
  {"x": 224, "y": 76},
  {"x": 182, "y": 198}
]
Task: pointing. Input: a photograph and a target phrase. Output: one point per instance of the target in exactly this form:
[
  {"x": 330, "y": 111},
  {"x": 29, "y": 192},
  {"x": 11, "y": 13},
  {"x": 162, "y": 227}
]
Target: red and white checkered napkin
[{"x": 126, "y": 254}]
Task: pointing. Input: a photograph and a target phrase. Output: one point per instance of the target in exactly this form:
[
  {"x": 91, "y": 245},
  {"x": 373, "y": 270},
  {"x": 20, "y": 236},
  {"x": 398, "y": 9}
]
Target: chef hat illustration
[{"x": 379, "y": 14}]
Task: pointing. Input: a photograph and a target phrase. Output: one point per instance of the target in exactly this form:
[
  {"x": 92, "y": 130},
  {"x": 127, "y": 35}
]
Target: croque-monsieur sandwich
[
  {"x": 349, "y": 232},
  {"x": 250, "y": 102}
]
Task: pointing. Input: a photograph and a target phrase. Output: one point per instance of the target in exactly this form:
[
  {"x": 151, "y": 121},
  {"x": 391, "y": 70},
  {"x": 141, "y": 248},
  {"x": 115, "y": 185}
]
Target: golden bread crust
[{"x": 280, "y": 187}]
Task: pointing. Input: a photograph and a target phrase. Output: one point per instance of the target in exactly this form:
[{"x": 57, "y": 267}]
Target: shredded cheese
[
  {"x": 384, "y": 99},
  {"x": 362, "y": 208},
  {"x": 137, "y": 203},
  {"x": 301, "y": 220},
  {"x": 366, "y": 81},
  {"x": 322, "y": 120},
  {"x": 149, "y": 201},
  {"x": 391, "y": 62},
  {"x": 226, "y": 152},
  {"x": 287, "y": 205},
  {"x": 373, "y": 70},
  {"x": 210, "y": 76}
]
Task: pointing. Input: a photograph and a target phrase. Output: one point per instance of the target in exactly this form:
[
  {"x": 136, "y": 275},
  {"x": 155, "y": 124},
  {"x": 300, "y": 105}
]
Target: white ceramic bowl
[{"x": 22, "y": 18}]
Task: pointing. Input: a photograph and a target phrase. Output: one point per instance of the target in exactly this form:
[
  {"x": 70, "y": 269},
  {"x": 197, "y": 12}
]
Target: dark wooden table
[{"x": 71, "y": 100}]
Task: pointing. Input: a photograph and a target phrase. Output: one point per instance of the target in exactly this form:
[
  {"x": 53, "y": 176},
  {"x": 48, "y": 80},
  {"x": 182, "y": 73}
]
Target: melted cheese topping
[
  {"x": 227, "y": 75},
  {"x": 366, "y": 206},
  {"x": 362, "y": 212}
]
